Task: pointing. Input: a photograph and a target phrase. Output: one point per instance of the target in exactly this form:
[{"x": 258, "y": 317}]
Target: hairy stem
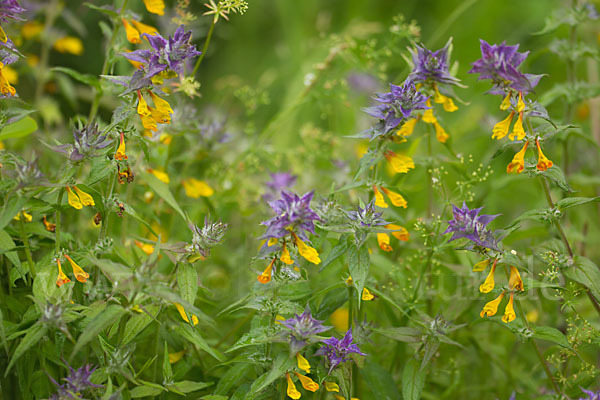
[{"x": 205, "y": 47}]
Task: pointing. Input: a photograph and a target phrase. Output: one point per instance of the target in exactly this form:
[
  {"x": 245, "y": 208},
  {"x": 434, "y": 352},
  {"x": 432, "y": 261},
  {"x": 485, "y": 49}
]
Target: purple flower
[
  {"x": 278, "y": 182},
  {"x": 10, "y": 9},
  {"x": 397, "y": 104},
  {"x": 432, "y": 65},
  {"x": 590, "y": 395},
  {"x": 86, "y": 141},
  {"x": 468, "y": 224},
  {"x": 304, "y": 328},
  {"x": 337, "y": 351},
  {"x": 293, "y": 212},
  {"x": 499, "y": 63},
  {"x": 77, "y": 382}
]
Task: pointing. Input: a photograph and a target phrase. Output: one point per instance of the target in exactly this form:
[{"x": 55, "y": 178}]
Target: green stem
[
  {"x": 205, "y": 47},
  {"x": 57, "y": 216},
  {"x": 52, "y": 11},
  {"x": 429, "y": 175},
  {"x": 25, "y": 240},
  {"x": 350, "y": 307}
]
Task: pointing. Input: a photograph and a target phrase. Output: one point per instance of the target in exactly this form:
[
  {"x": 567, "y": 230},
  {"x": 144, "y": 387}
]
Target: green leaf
[
  {"x": 187, "y": 280},
  {"x": 281, "y": 364},
  {"x": 162, "y": 189},
  {"x": 214, "y": 397},
  {"x": 114, "y": 271},
  {"x": 535, "y": 215},
  {"x": 380, "y": 381},
  {"x": 359, "y": 262},
  {"x": 144, "y": 391},
  {"x": 575, "y": 201},
  {"x": 104, "y": 319},
  {"x": 12, "y": 208},
  {"x": 232, "y": 377},
  {"x": 193, "y": 336},
  {"x": 552, "y": 335},
  {"x": 338, "y": 250},
  {"x": 585, "y": 272},
  {"x": 7, "y": 243},
  {"x": 138, "y": 322},
  {"x": 413, "y": 380},
  {"x": 167, "y": 370},
  {"x": 87, "y": 79},
  {"x": 190, "y": 386},
  {"x": 104, "y": 9},
  {"x": 32, "y": 338},
  {"x": 21, "y": 128},
  {"x": 401, "y": 334},
  {"x": 556, "y": 174}
]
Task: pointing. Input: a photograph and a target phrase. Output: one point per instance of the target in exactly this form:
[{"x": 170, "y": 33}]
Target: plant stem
[
  {"x": 429, "y": 175},
  {"x": 57, "y": 216},
  {"x": 350, "y": 307},
  {"x": 205, "y": 47},
  {"x": 25, "y": 240}
]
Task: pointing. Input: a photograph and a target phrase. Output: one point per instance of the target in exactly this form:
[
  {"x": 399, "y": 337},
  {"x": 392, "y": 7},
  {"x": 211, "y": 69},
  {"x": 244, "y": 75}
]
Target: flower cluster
[
  {"x": 337, "y": 351},
  {"x": 76, "y": 383},
  {"x": 9, "y": 9},
  {"x": 303, "y": 330},
  {"x": 79, "y": 273},
  {"x": 87, "y": 141},
  {"x": 470, "y": 225},
  {"x": 515, "y": 284}
]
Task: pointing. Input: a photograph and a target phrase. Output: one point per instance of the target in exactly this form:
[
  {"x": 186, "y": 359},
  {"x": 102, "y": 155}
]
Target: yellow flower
[
  {"x": 481, "y": 265},
  {"x": 400, "y": 232},
  {"x": 518, "y": 162},
  {"x": 506, "y": 102},
  {"x": 291, "y": 388},
  {"x": 271, "y": 242},
  {"x": 349, "y": 281},
  {"x": 133, "y": 36},
  {"x": 309, "y": 253},
  {"x": 155, "y": 6},
  {"x": 120, "y": 154},
  {"x": 69, "y": 44},
  {"x": 428, "y": 116},
  {"x": 509, "y": 311},
  {"x": 265, "y": 277},
  {"x": 160, "y": 175},
  {"x": 520, "y": 103},
  {"x": 532, "y": 316},
  {"x": 143, "y": 28},
  {"x": 24, "y": 214},
  {"x": 11, "y": 75},
  {"x": 174, "y": 357},
  {"x": 307, "y": 383},
  {"x": 145, "y": 114},
  {"x": 407, "y": 128},
  {"x": 184, "y": 316},
  {"x": 361, "y": 149},
  {"x": 84, "y": 197},
  {"x": 489, "y": 283},
  {"x": 491, "y": 308},
  {"x": 303, "y": 363},
  {"x": 399, "y": 163},
  {"x": 145, "y": 247},
  {"x": 396, "y": 198},
  {"x": 379, "y": 200},
  {"x": 543, "y": 162},
  {"x": 80, "y": 274},
  {"x": 383, "y": 239},
  {"x": 515, "y": 282},
  {"x": 440, "y": 133},
  {"x": 195, "y": 188},
  {"x": 62, "y": 278},
  {"x": 331, "y": 386},
  {"x": 339, "y": 319},
  {"x": 5, "y": 87},
  {"x": 446, "y": 101},
  {"x": 50, "y": 227},
  {"x": 338, "y": 397},
  {"x": 73, "y": 200},
  {"x": 366, "y": 295},
  {"x": 518, "y": 132},
  {"x": 449, "y": 105},
  {"x": 285, "y": 257},
  {"x": 31, "y": 29},
  {"x": 501, "y": 128},
  {"x": 3, "y": 37},
  {"x": 162, "y": 112}
]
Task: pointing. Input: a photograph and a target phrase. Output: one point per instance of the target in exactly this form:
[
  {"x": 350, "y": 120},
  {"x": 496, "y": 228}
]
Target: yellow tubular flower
[
  {"x": 440, "y": 133},
  {"x": 73, "y": 200},
  {"x": 491, "y": 308},
  {"x": 160, "y": 175},
  {"x": 506, "y": 102},
  {"x": 291, "y": 388},
  {"x": 307, "y": 383},
  {"x": 400, "y": 164},
  {"x": 31, "y": 29},
  {"x": 5, "y": 87},
  {"x": 271, "y": 242},
  {"x": 396, "y": 198},
  {"x": 509, "y": 311},
  {"x": 379, "y": 200},
  {"x": 285, "y": 257},
  {"x": 383, "y": 239},
  {"x": 400, "y": 232},
  {"x": 50, "y": 227},
  {"x": 155, "y": 6},
  {"x": 481, "y": 265},
  {"x": 331, "y": 386},
  {"x": 501, "y": 128},
  {"x": 163, "y": 111},
  {"x": 543, "y": 162},
  {"x": 520, "y": 103},
  {"x": 174, "y": 357},
  {"x": 133, "y": 36},
  {"x": 145, "y": 247},
  {"x": 366, "y": 295},
  {"x": 85, "y": 198},
  {"x": 309, "y": 253},
  {"x": 489, "y": 283},
  {"x": 449, "y": 105},
  {"x": 518, "y": 162},
  {"x": 515, "y": 282},
  {"x": 69, "y": 44},
  {"x": 62, "y": 278},
  {"x": 265, "y": 277},
  {"x": 184, "y": 316},
  {"x": 23, "y": 214},
  {"x": 518, "y": 132},
  {"x": 120, "y": 154},
  {"x": 438, "y": 97},
  {"x": 428, "y": 116},
  {"x": 80, "y": 274},
  {"x": 407, "y": 128},
  {"x": 195, "y": 188},
  {"x": 303, "y": 363},
  {"x": 143, "y": 28}
]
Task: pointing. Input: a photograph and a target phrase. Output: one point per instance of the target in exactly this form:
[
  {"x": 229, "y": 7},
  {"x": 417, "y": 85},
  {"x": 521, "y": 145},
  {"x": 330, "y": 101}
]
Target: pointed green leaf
[{"x": 103, "y": 320}]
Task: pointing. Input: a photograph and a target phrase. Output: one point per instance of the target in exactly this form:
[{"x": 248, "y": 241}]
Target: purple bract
[
  {"x": 10, "y": 9},
  {"x": 337, "y": 351},
  {"x": 468, "y": 224},
  {"x": 303, "y": 328},
  {"x": 77, "y": 382},
  {"x": 293, "y": 212},
  {"x": 432, "y": 65}
]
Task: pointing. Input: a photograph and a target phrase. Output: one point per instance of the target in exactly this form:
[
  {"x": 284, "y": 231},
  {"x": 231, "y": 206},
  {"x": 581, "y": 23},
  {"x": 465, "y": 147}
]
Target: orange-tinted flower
[
  {"x": 62, "y": 278},
  {"x": 133, "y": 36},
  {"x": 265, "y": 277},
  {"x": 518, "y": 162},
  {"x": 515, "y": 282},
  {"x": 80, "y": 274},
  {"x": 543, "y": 162},
  {"x": 143, "y": 28},
  {"x": 285, "y": 255},
  {"x": 307, "y": 383},
  {"x": 379, "y": 200},
  {"x": 509, "y": 311},
  {"x": 396, "y": 198},
  {"x": 399, "y": 163},
  {"x": 491, "y": 308},
  {"x": 120, "y": 154},
  {"x": 50, "y": 227},
  {"x": 400, "y": 232},
  {"x": 383, "y": 239}
]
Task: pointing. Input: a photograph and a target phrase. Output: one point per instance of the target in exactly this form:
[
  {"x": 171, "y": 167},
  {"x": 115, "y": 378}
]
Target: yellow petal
[
  {"x": 160, "y": 175},
  {"x": 428, "y": 116},
  {"x": 303, "y": 363},
  {"x": 543, "y": 162},
  {"x": 515, "y": 282},
  {"x": 143, "y": 28},
  {"x": 271, "y": 242},
  {"x": 307, "y": 383},
  {"x": 520, "y": 103},
  {"x": 518, "y": 132},
  {"x": 399, "y": 163},
  {"x": 400, "y": 232},
  {"x": 383, "y": 239},
  {"x": 195, "y": 188},
  {"x": 79, "y": 273},
  {"x": 440, "y": 133},
  {"x": 309, "y": 253},
  {"x": 155, "y": 6},
  {"x": 5, "y": 87},
  {"x": 509, "y": 311},
  {"x": 339, "y": 319},
  {"x": 396, "y": 198},
  {"x": 120, "y": 154},
  {"x": 449, "y": 105},
  {"x": 174, "y": 357},
  {"x": 265, "y": 277},
  {"x": 331, "y": 386},
  {"x": 73, "y": 200},
  {"x": 145, "y": 247},
  {"x": 407, "y": 128},
  {"x": 518, "y": 162},
  {"x": 69, "y": 44},
  {"x": 85, "y": 198},
  {"x": 379, "y": 200},
  {"x": 489, "y": 283},
  {"x": 501, "y": 128},
  {"x": 133, "y": 36},
  {"x": 481, "y": 265},
  {"x": 162, "y": 107},
  {"x": 292, "y": 392},
  {"x": 506, "y": 102},
  {"x": 491, "y": 308},
  {"x": 61, "y": 279},
  {"x": 184, "y": 315},
  {"x": 285, "y": 256},
  {"x": 366, "y": 295}
]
